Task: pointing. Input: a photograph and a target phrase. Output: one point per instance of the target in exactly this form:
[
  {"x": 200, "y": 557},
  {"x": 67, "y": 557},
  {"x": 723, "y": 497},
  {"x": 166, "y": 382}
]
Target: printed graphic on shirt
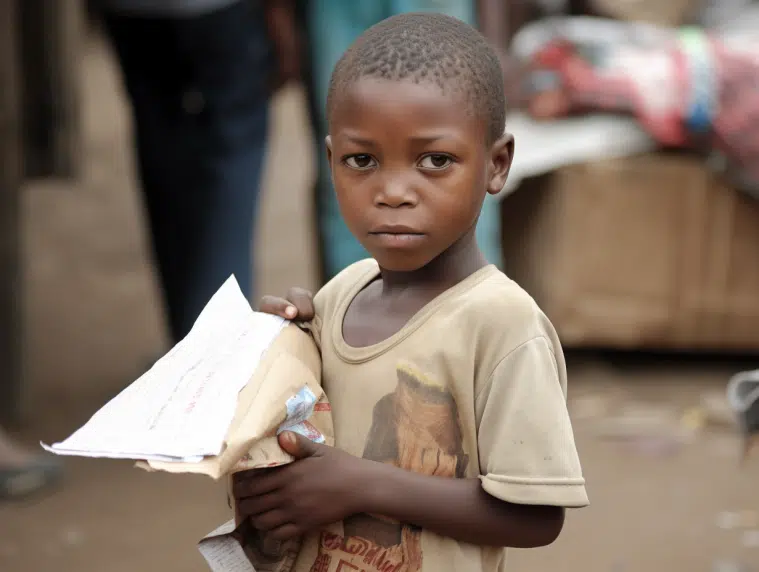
[{"x": 416, "y": 427}]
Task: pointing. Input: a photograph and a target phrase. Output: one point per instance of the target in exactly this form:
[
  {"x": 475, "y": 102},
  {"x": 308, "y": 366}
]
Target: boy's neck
[{"x": 461, "y": 260}]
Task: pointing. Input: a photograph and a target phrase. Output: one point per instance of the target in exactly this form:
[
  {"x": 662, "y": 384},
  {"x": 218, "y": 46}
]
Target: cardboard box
[{"x": 648, "y": 252}]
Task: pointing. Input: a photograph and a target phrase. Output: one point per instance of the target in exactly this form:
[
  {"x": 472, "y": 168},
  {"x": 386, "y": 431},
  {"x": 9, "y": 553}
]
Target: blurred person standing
[
  {"x": 199, "y": 75},
  {"x": 331, "y": 26}
]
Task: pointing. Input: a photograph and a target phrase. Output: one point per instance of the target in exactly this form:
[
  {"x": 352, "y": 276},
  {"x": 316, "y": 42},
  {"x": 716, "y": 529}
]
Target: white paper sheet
[{"x": 180, "y": 410}]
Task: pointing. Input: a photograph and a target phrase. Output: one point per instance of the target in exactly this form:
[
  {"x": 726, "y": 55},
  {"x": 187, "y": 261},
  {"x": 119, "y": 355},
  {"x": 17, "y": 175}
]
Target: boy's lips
[
  {"x": 396, "y": 236},
  {"x": 394, "y": 229}
]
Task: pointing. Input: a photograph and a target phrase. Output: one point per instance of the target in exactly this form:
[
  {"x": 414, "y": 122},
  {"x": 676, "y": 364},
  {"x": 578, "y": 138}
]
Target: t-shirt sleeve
[{"x": 526, "y": 444}]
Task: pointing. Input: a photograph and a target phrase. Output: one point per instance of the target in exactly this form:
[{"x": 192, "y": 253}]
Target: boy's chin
[{"x": 401, "y": 263}]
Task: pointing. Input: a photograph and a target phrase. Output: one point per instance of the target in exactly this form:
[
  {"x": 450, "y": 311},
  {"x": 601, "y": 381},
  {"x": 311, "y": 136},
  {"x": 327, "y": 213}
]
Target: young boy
[{"x": 447, "y": 382}]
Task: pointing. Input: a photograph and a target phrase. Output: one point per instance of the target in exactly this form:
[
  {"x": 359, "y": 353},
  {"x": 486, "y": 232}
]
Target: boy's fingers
[
  {"x": 263, "y": 481},
  {"x": 298, "y": 304},
  {"x": 240, "y": 482},
  {"x": 278, "y": 307},
  {"x": 303, "y": 301}
]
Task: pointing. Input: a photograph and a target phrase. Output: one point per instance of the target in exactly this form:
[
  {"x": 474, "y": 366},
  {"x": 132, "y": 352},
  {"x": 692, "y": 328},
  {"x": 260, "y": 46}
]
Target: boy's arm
[
  {"x": 458, "y": 509},
  {"x": 325, "y": 485}
]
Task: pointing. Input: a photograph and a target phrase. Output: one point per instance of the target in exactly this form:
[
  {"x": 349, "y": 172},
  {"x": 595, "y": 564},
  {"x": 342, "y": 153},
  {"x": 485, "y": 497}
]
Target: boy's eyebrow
[
  {"x": 426, "y": 139},
  {"x": 419, "y": 139},
  {"x": 358, "y": 140}
]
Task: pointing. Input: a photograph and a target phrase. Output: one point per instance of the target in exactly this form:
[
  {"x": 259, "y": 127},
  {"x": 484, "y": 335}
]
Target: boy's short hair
[{"x": 428, "y": 47}]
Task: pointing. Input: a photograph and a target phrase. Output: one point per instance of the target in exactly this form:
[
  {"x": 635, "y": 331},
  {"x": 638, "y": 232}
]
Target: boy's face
[{"x": 411, "y": 168}]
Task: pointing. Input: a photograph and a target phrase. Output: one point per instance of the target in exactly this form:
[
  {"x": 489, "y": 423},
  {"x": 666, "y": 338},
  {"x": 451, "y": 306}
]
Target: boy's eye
[
  {"x": 360, "y": 162},
  {"x": 435, "y": 162}
]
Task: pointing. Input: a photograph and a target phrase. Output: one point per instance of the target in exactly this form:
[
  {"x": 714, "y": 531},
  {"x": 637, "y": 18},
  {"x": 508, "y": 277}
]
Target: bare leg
[
  {"x": 11, "y": 453},
  {"x": 23, "y": 473}
]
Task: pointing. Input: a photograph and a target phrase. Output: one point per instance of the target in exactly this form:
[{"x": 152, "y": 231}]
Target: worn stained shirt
[{"x": 474, "y": 386}]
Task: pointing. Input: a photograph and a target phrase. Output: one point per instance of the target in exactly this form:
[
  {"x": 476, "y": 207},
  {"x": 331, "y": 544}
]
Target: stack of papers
[{"x": 181, "y": 409}]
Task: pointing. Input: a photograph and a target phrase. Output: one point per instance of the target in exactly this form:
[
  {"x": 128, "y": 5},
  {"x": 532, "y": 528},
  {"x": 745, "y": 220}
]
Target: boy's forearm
[{"x": 457, "y": 508}]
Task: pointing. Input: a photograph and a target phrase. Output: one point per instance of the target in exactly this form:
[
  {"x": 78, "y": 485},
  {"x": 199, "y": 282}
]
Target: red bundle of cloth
[{"x": 687, "y": 88}]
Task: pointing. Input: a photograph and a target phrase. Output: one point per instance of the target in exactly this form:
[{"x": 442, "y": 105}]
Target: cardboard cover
[
  {"x": 284, "y": 393},
  {"x": 647, "y": 252}
]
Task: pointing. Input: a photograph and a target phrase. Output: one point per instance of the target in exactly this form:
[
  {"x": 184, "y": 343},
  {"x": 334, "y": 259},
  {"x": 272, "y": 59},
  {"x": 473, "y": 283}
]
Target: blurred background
[{"x": 632, "y": 217}]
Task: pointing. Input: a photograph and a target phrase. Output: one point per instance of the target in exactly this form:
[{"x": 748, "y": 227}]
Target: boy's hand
[
  {"x": 321, "y": 487},
  {"x": 298, "y": 305}
]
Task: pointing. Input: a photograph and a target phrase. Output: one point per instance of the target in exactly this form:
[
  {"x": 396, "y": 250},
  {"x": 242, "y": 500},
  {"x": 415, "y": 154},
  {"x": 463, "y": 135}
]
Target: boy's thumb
[{"x": 296, "y": 445}]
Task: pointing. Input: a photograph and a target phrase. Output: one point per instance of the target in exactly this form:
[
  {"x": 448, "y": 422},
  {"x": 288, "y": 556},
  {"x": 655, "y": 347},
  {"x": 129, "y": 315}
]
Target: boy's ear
[
  {"x": 328, "y": 143},
  {"x": 501, "y": 155}
]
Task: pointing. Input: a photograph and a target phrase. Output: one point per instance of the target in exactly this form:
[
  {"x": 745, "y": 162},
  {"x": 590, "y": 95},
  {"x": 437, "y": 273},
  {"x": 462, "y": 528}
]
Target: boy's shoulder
[
  {"x": 496, "y": 293},
  {"x": 499, "y": 311}
]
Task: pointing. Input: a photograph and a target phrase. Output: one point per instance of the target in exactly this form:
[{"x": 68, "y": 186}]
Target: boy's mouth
[
  {"x": 396, "y": 236},
  {"x": 394, "y": 229}
]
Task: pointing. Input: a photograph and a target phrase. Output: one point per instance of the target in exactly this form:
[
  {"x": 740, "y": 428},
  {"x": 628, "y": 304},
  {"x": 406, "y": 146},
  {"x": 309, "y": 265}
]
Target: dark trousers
[{"x": 198, "y": 89}]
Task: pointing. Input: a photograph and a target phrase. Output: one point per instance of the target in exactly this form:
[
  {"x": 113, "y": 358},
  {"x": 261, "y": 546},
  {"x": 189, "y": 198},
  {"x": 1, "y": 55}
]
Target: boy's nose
[{"x": 396, "y": 192}]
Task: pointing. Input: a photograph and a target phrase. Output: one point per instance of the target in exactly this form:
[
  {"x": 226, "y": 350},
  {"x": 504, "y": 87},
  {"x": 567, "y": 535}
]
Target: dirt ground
[{"x": 669, "y": 500}]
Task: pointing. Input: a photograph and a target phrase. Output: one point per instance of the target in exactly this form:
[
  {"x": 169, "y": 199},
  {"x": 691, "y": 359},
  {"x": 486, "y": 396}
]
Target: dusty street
[{"x": 670, "y": 499}]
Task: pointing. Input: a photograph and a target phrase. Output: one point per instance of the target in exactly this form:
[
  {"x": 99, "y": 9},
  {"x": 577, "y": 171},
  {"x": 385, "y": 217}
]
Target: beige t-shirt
[{"x": 473, "y": 386}]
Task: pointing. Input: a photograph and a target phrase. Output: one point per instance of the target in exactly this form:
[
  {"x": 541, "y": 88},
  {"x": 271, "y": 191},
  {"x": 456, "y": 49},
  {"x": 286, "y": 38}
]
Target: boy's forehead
[{"x": 375, "y": 100}]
